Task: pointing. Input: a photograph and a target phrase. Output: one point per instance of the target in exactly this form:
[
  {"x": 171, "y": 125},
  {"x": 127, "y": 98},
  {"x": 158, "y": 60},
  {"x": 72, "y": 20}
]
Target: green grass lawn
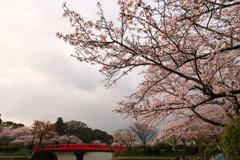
[{"x": 21, "y": 152}]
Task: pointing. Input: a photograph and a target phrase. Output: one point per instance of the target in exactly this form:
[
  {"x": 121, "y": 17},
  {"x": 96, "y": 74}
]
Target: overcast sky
[{"x": 38, "y": 77}]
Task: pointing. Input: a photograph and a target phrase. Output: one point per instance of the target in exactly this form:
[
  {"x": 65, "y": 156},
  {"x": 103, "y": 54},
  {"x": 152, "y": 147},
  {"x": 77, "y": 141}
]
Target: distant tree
[
  {"x": 144, "y": 132},
  {"x": 125, "y": 136},
  {"x": 59, "y": 125},
  {"x": 0, "y": 119},
  {"x": 21, "y": 131},
  {"x": 4, "y": 135},
  {"x": 86, "y": 135},
  {"x": 102, "y": 136},
  {"x": 16, "y": 135},
  {"x": 81, "y": 130},
  {"x": 78, "y": 129},
  {"x": 44, "y": 129},
  {"x": 21, "y": 136},
  {"x": 13, "y": 124},
  {"x": 23, "y": 140}
]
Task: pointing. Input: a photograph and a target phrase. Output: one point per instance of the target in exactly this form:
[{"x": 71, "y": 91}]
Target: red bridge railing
[{"x": 92, "y": 147}]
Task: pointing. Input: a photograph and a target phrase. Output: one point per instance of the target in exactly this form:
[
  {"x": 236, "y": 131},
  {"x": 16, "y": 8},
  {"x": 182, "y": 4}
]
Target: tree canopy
[
  {"x": 125, "y": 136},
  {"x": 78, "y": 129},
  {"x": 12, "y": 124},
  {"x": 81, "y": 130},
  {"x": 59, "y": 125},
  {"x": 43, "y": 129},
  {"x": 103, "y": 136},
  {"x": 191, "y": 128},
  {"x": 189, "y": 50}
]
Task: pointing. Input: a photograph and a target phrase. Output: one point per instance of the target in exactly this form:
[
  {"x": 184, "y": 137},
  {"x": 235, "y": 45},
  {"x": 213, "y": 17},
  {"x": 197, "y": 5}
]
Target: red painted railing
[{"x": 65, "y": 147}]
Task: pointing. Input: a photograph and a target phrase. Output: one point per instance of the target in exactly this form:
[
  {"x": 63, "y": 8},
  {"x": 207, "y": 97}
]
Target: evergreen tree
[
  {"x": 230, "y": 140},
  {"x": 60, "y": 126}
]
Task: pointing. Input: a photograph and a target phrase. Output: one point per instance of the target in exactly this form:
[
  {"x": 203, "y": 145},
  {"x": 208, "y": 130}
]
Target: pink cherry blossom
[{"x": 189, "y": 51}]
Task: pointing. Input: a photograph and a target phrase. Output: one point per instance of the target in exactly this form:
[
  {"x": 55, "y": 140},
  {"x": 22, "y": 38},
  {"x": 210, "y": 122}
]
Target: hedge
[
  {"x": 190, "y": 150},
  {"x": 9, "y": 149},
  {"x": 201, "y": 148},
  {"x": 161, "y": 145},
  {"x": 156, "y": 150},
  {"x": 167, "y": 148},
  {"x": 180, "y": 146}
]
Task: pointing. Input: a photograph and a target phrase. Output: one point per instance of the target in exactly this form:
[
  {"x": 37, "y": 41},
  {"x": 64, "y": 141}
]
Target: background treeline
[
  {"x": 82, "y": 131},
  {"x": 45, "y": 132},
  {"x": 12, "y": 124}
]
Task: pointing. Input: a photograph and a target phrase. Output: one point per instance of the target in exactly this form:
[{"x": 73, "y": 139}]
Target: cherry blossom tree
[
  {"x": 4, "y": 135},
  {"x": 96, "y": 142},
  {"x": 21, "y": 135},
  {"x": 66, "y": 139},
  {"x": 143, "y": 132},
  {"x": 191, "y": 128},
  {"x": 125, "y": 136},
  {"x": 23, "y": 140},
  {"x": 21, "y": 131},
  {"x": 189, "y": 50}
]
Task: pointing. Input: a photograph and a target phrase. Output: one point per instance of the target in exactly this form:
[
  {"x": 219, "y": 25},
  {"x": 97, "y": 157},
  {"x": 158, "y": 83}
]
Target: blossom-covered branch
[{"x": 189, "y": 50}]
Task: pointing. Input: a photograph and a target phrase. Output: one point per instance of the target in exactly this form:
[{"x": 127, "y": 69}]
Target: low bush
[
  {"x": 156, "y": 150},
  {"x": 190, "y": 150},
  {"x": 131, "y": 153},
  {"x": 148, "y": 149},
  {"x": 201, "y": 148},
  {"x": 161, "y": 145},
  {"x": 139, "y": 147},
  {"x": 180, "y": 146},
  {"x": 167, "y": 148},
  {"x": 9, "y": 149}
]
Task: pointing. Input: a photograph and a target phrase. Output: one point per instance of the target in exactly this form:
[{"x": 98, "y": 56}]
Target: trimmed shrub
[
  {"x": 167, "y": 148},
  {"x": 148, "y": 149},
  {"x": 139, "y": 147},
  {"x": 190, "y": 150},
  {"x": 201, "y": 148},
  {"x": 161, "y": 145},
  {"x": 9, "y": 149},
  {"x": 132, "y": 153},
  {"x": 230, "y": 140},
  {"x": 180, "y": 146},
  {"x": 156, "y": 150}
]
